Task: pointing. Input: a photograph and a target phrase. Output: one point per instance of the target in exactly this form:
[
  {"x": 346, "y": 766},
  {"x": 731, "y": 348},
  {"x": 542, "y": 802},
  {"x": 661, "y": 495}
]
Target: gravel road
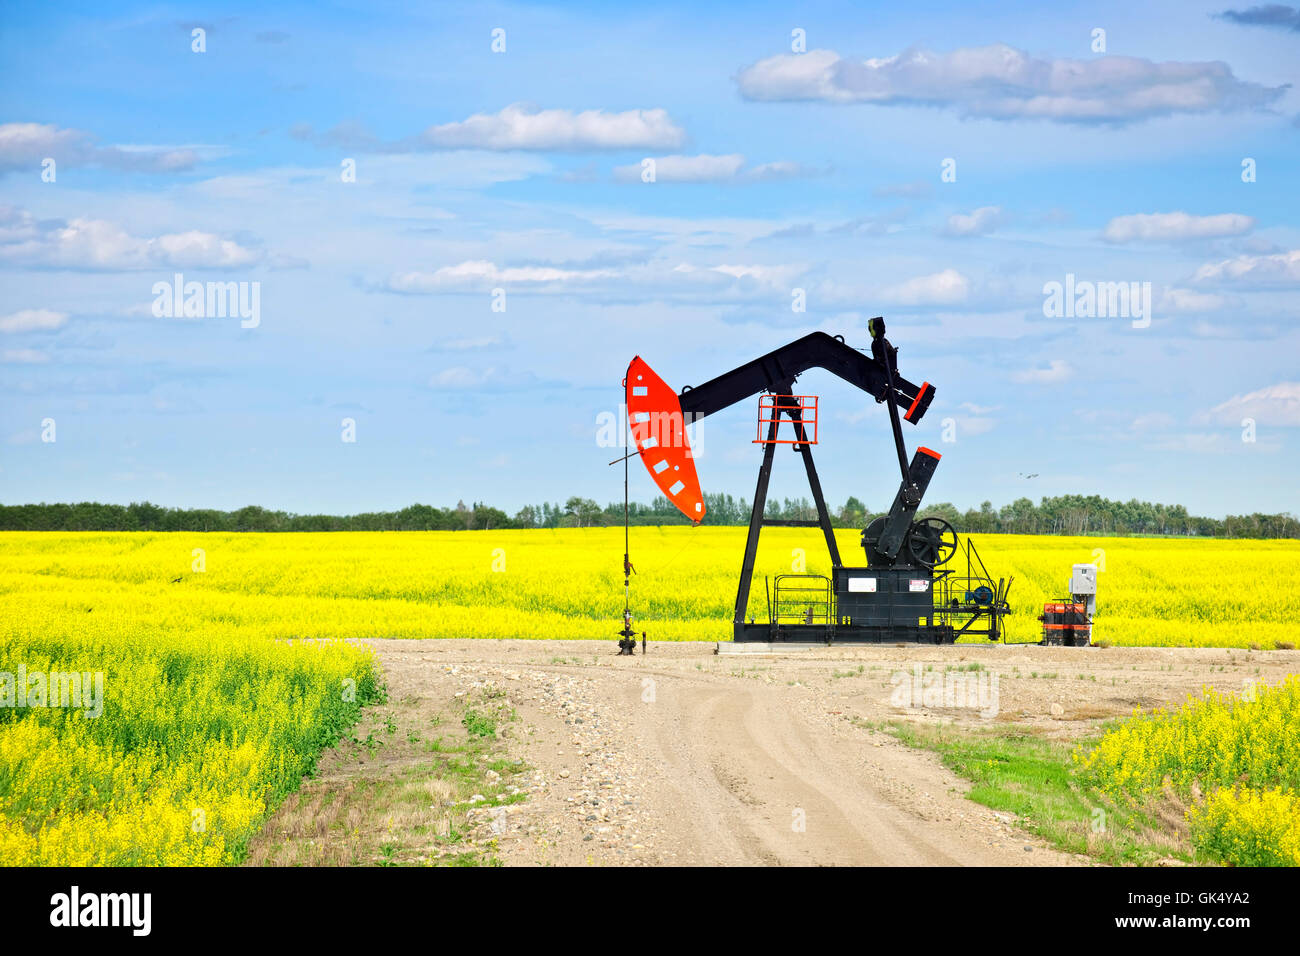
[{"x": 683, "y": 756}]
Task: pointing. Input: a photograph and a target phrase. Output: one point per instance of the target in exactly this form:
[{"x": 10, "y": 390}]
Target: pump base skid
[{"x": 823, "y": 635}]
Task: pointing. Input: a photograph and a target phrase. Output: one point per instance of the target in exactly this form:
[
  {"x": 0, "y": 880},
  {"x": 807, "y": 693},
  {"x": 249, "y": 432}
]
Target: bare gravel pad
[{"x": 686, "y": 757}]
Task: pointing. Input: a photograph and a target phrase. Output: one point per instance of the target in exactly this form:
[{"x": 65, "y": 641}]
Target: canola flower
[
  {"x": 228, "y": 663},
  {"x": 568, "y": 583},
  {"x": 205, "y": 725},
  {"x": 1241, "y": 751}
]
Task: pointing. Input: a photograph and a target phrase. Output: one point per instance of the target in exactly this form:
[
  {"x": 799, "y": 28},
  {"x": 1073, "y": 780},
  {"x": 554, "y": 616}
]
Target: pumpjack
[{"x": 903, "y": 594}]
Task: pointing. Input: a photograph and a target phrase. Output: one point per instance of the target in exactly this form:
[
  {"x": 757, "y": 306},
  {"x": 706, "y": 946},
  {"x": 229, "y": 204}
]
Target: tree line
[{"x": 1066, "y": 515}]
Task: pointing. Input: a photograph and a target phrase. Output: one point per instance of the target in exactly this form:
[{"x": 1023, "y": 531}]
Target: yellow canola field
[
  {"x": 568, "y": 583},
  {"x": 227, "y": 667},
  {"x": 1241, "y": 751},
  {"x": 182, "y": 730}
]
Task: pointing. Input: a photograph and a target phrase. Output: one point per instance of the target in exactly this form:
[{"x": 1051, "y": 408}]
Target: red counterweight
[{"x": 659, "y": 430}]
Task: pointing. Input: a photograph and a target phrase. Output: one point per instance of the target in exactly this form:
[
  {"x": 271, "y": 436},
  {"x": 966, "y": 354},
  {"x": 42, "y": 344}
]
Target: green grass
[{"x": 479, "y": 724}]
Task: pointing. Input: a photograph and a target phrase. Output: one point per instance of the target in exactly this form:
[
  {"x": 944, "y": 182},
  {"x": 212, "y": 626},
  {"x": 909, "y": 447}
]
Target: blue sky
[{"x": 520, "y": 170}]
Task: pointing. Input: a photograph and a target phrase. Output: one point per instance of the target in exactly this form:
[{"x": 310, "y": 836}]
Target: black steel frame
[{"x": 876, "y": 374}]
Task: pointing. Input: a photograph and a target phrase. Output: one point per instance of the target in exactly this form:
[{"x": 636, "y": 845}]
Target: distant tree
[
  {"x": 853, "y": 514},
  {"x": 583, "y": 511},
  {"x": 489, "y": 518},
  {"x": 1064, "y": 514}
]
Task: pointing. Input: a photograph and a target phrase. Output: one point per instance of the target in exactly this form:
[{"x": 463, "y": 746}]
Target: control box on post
[{"x": 1083, "y": 587}]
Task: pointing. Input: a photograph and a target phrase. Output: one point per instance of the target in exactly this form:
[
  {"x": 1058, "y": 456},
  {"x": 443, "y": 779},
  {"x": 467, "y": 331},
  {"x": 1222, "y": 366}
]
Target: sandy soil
[{"x": 687, "y": 757}]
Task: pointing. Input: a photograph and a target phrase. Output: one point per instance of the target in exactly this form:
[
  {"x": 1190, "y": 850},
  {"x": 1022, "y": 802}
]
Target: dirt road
[{"x": 687, "y": 757}]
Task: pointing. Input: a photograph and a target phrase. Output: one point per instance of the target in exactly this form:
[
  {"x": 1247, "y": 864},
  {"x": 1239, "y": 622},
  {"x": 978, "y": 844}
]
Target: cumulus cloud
[
  {"x": 682, "y": 279},
  {"x": 766, "y": 275},
  {"x": 706, "y": 168},
  {"x": 521, "y": 127},
  {"x": 100, "y": 244},
  {"x": 1190, "y": 300},
  {"x": 27, "y": 145},
  {"x": 1273, "y": 15},
  {"x": 1057, "y": 371},
  {"x": 685, "y": 169},
  {"x": 782, "y": 169},
  {"x": 1275, "y": 405},
  {"x": 33, "y": 320},
  {"x": 516, "y": 127},
  {"x": 1276, "y": 270},
  {"x": 461, "y": 377},
  {"x": 1003, "y": 83},
  {"x": 1175, "y": 227},
  {"x": 877, "y": 224},
  {"x": 948, "y": 287},
  {"x": 981, "y": 221},
  {"x": 480, "y": 273}
]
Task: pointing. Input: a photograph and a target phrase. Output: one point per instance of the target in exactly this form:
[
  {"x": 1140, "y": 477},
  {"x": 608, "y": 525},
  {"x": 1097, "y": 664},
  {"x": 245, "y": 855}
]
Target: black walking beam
[{"x": 778, "y": 369}]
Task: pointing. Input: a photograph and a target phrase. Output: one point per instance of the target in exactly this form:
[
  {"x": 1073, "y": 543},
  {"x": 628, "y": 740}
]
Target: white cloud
[
  {"x": 1057, "y": 371},
  {"x": 17, "y": 224},
  {"x": 981, "y": 221},
  {"x": 782, "y": 169},
  {"x": 683, "y": 230},
  {"x": 99, "y": 244},
  {"x": 1001, "y": 82},
  {"x": 712, "y": 169},
  {"x": 948, "y": 287},
  {"x": 1196, "y": 442},
  {"x": 491, "y": 379},
  {"x": 770, "y": 276},
  {"x": 974, "y": 425},
  {"x": 471, "y": 344},
  {"x": 461, "y": 377},
  {"x": 1277, "y": 405},
  {"x": 1175, "y": 227},
  {"x": 681, "y": 279},
  {"x": 1189, "y": 300},
  {"x": 1277, "y": 269},
  {"x": 521, "y": 127},
  {"x": 479, "y": 273},
  {"x": 686, "y": 169},
  {"x": 24, "y": 356},
  {"x": 1152, "y": 421},
  {"x": 33, "y": 320},
  {"x": 27, "y": 145}
]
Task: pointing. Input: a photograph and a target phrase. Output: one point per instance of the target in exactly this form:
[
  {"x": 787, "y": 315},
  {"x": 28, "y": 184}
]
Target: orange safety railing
[{"x": 772, "y": 407}]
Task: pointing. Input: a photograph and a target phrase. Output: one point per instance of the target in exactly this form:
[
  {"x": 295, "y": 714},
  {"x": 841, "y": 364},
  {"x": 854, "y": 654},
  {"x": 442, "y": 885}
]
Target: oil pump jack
[{"x": 902, "y": 594}]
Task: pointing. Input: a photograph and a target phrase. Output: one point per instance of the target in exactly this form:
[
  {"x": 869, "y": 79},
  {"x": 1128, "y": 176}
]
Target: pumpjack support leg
[{"x": 755, "y": 526}]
